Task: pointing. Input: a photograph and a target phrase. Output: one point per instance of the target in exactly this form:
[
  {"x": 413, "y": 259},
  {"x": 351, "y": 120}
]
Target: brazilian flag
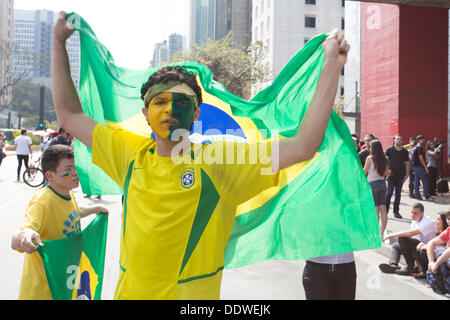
[
  {"x": 74, "y": 266},
  {"x": 320, "y": 207}
]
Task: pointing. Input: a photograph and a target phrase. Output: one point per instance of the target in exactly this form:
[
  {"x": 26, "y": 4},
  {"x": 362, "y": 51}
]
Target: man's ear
[
  {"x": 145, "y": 112},
  {"x": 49, "y": 175},
  {"x": 196, "y": 114}
]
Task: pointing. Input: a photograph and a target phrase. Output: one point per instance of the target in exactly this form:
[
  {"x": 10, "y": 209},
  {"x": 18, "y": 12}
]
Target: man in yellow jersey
[{"x": 179, "y": 197}]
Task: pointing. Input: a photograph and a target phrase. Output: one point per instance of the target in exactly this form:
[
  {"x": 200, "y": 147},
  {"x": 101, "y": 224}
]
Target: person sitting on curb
[
  {"x": 439, "y": 264},
  {"x": 422, "y": 229},
  {"x": 422, "y": 255}
]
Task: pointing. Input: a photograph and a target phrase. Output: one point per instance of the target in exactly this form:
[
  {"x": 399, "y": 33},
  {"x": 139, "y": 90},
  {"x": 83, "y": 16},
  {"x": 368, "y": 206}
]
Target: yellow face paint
[
  {"x": 67, "y": 176},
  {"x": 168, "y": 112}
]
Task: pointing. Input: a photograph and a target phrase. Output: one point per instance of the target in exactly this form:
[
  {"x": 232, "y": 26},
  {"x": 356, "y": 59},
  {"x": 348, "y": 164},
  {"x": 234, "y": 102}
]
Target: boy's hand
[
  {"x": 63, "y": 29},
  {"x": 101, "y": 209},
  {"x": 336, "y": 48},
  {"x": 24, "y": 241}
]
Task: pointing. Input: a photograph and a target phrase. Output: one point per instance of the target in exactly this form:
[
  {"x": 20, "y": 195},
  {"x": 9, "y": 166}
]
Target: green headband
[{"x": 163, "y": 87}]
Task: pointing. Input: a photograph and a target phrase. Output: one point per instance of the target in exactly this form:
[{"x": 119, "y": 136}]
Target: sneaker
[
  {"x": 398, "y": 215},
  {"x": 388, "y": 268},
  {"x": 88, "y": 196},
  {"x": 98, "y": 197}
]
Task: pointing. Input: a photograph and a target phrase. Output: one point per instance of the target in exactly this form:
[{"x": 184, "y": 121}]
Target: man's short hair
[
  {"x": 419, "y": 206},
  {"x": 420, "y": 137},
  {"x": 174, "y": 73},
  {"x": 53, "y": 155},
  {"x": 23, "y": 131}
]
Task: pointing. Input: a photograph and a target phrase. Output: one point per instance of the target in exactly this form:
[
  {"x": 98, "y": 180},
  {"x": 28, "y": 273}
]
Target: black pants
[
  {"x": 422, "y": 258},
  {"x": 411, "y": 181},
  {"x": 329, "y": 281},
  {"x": 406, "y": 247},
  {"x": 21, "y": 158},
  {"x": 432, "y": 178},
  {"x": 394, "y": 184}
]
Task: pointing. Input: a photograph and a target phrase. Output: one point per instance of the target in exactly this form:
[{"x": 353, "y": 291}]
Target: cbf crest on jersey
[{"x": 187, "y": 178}]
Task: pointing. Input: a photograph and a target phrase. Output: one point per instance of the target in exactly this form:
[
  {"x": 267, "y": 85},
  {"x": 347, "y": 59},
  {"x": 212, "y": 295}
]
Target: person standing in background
[
  {"x": 23, "y": 150},
  {"x": 399, "y": 165},
  {"x": 433, "y": 166},
  {"x": 420, "y": 168},
  {"x": 376, "y": 169},
  {"x": 365, "y": 152}
]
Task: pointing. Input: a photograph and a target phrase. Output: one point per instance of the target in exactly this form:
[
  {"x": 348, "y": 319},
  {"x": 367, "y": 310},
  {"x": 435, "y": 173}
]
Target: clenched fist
[{"x": 336, "y": 48}]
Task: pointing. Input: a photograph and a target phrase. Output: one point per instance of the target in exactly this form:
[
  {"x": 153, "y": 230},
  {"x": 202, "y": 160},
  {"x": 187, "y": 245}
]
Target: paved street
[{"x": 266, "y": 280}]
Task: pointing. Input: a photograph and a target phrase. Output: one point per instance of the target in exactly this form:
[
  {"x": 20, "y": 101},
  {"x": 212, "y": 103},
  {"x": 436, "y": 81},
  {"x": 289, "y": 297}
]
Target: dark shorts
[{"x": 379, "y": 192}]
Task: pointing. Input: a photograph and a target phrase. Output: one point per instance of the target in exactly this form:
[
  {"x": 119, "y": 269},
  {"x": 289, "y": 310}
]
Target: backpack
[
  {"x": 439, "y": 282},
  {"x": 442, "y": 185}
]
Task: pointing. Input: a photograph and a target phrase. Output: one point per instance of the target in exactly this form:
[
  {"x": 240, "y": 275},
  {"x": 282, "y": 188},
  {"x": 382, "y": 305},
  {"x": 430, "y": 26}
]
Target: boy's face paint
[{"x": 168, "y": 112}]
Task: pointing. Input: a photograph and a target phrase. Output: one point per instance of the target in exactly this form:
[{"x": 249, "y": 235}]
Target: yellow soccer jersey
[
  {"x": 178, "y": 212},
  {"x": 53, "y": 217}
]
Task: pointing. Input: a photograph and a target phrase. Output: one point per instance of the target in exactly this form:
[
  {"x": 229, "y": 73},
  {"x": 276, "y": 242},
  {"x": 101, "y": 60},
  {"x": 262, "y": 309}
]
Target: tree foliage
[
  {"x": 236, "y": 69},
  {"x": 26, "y": 102},
  {"x": 7, "y": 80}
]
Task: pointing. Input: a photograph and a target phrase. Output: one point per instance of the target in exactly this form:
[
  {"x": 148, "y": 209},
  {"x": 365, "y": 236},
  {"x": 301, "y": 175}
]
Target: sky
[{"x": 129, "y": 29}]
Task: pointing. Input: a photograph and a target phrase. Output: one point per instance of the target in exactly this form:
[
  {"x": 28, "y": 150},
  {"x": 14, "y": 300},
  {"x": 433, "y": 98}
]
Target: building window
[
  {"x": 343, "y": 3},
  {"x": 342, "y": 91},
  {"x": 342, "y": 23},
  {"x": 310, "y": 22},
  {"x": 310, "y": 1},
  {"x": 342, "y": 72}
]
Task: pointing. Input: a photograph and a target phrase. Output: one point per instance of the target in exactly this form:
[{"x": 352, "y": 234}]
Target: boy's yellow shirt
[
  {"x": 177, "y": 217},
  {"x": 53, "y": 217}
]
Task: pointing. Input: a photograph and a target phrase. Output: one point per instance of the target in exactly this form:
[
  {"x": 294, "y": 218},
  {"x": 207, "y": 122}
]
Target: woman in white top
[{"x": 376, "y": 168}]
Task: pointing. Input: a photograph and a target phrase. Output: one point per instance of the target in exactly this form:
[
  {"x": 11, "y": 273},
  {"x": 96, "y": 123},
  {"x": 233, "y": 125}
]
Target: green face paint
[
  {"x": 67, "y": 176},
  {"x": 183, "y": 112}
]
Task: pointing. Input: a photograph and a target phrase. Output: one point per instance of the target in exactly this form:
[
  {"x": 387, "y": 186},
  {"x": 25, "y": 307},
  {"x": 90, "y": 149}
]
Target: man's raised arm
[
  {"x": 65, "y": 97},
  {"x": 311, "y": 131}
]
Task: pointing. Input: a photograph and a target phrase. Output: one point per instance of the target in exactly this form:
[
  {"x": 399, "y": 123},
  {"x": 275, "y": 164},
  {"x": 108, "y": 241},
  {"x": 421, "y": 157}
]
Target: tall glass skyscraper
[{"x": 33, "y": 36}]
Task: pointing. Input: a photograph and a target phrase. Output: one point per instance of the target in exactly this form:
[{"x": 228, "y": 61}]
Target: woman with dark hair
[
  {"x": 376, "y": 168},
  {"x": 433, "y": 166},
  {"x": 421, "y": 254}
]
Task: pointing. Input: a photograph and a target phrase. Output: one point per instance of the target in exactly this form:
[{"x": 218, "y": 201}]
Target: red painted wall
[
  {"x": 404, "y": 72},
  {"x": 380, "y": 70}
]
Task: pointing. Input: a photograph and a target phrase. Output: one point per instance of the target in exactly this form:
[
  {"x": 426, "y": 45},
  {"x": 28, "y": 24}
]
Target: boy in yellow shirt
[{"x": 51, "y": 214}]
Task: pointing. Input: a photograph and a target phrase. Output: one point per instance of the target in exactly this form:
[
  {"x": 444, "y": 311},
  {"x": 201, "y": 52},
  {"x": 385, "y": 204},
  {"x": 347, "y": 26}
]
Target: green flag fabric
[
  {"x": 74, "y": 266},
  {"x": 321, "y": 207}
]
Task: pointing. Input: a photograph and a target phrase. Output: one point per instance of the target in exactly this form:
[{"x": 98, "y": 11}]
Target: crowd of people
[
  {"x": 425, "y": 246},
  {"x": 420, "y": 161}
]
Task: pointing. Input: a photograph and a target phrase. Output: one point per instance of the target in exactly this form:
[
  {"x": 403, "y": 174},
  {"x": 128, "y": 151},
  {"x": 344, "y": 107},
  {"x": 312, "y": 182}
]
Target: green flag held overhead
[
  {"x": 320, "y": 207},
  {"x": 74, "y": 266}
]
